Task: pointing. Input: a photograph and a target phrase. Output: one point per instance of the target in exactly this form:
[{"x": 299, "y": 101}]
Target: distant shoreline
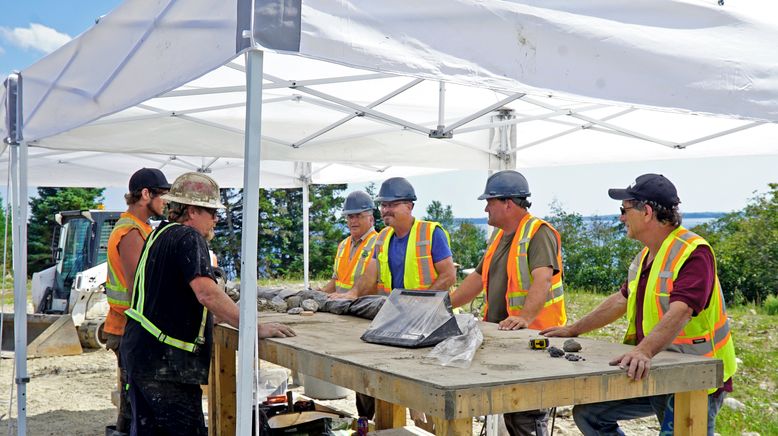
[{"x": 697, "y": 217}]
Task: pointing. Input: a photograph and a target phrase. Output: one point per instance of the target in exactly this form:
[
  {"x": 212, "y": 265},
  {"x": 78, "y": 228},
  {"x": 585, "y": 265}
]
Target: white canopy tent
[{"x": 559, "y": 83}]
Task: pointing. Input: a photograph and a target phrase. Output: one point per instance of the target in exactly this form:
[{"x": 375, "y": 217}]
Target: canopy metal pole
[
  {"x": 18, "y": 218},
  {"x": 306, "y": 228},
  {"x": 248, "y": 271}
]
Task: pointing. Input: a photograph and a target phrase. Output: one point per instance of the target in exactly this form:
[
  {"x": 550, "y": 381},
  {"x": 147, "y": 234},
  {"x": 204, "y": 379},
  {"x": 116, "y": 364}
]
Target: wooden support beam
[
  {"x": 453, "y": 427},
  {"x": 388, "y": 415},
  {"x": 222, "y": 390},
  {"x": 691, "y": 413}
]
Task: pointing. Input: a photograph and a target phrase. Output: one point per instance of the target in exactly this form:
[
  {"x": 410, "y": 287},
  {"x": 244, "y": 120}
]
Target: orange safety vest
[
  {"x": 520, "y": 277},
  {"x": 348, "y": 270},
  {"x": 706, "y": 334},
  {"x": 420, "y": 270},
  {"x": 116, "y": 283}
]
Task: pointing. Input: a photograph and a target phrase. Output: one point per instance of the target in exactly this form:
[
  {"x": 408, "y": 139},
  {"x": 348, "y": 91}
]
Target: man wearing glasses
[
  {"x": 354, "y": 252},
  {"x": 169, "y": 334},
  {"x": 672, "y": 299},
  {"x": 521, "y": 274},
  {"x": 125, "y": 243}
]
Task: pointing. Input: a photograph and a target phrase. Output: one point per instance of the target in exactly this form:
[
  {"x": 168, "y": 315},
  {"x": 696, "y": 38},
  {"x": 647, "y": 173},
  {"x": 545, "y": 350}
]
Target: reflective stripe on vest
[
  {"x": 708, "y": 333},
  {"x": 347, "y": 271},
  {"x": 420, "y": 270},
  {"x": 520, "y": 277},
  {"x": 115, "y": 285},
  {"x": 139, "y": 298}
]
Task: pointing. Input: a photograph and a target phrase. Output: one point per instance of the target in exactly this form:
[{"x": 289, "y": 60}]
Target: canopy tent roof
[
  {"x": 151, "y": 67},
  {"x": 73, "y": 168}
]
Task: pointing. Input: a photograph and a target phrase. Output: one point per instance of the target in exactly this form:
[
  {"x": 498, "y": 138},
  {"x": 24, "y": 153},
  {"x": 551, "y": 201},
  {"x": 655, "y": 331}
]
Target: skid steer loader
[{"x": 69, "y": 298}]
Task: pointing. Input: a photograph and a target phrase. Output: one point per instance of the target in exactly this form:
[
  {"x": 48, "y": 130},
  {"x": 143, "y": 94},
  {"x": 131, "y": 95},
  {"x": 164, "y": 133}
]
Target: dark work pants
[
  {"x": 365, "y": 406},
  {"x": 125, "y": 413},
  {"x": 531, "y": 422},
  {"x": 162, "y": 408}
]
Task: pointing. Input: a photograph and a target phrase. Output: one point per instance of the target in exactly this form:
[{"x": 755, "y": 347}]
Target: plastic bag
[
  {"x": 413, "y": 319},
  {"x": 272, "y": 381},
  {"x": 458, "y": 351}
]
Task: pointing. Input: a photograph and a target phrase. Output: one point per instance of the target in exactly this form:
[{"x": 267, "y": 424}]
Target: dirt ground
[{"x": 72, "y": 396}]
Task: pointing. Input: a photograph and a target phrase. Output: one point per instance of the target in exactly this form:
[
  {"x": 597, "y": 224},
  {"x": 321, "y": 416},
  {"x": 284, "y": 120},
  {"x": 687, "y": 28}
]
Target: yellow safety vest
[
  {"x": 348, "y": 270},
  {"x": 139, "y": 298},
  {"x": 706, "y": 334},
  {"x": 420, "y": 270},
  {"x": 116, "y": 284},
  {"x": 520, "y": 277}
]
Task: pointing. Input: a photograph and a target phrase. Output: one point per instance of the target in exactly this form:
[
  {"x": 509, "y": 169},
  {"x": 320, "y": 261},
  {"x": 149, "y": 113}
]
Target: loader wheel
[{"x": 91, "y": 333}]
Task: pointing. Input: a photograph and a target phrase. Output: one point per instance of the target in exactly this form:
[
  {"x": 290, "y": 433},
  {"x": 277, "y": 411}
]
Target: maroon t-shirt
[{"x": 693, "y": 286}]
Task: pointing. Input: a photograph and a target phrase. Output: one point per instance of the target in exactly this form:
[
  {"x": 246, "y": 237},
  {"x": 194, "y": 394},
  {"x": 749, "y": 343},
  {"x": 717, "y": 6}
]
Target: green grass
[{"x": 755, "y": 382}]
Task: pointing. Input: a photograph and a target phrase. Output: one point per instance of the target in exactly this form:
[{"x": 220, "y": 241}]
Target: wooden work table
[{"x": 505, "y": 376}]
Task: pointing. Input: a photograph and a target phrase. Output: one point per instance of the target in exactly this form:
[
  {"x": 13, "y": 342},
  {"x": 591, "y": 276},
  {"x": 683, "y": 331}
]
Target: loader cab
[{"x": 82, "y": 244}]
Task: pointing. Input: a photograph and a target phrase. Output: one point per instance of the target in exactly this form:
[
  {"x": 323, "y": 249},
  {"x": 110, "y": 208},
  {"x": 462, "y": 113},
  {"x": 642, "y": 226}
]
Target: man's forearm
[
  {"x": 613, "y": 308},
  {"x": 467, "y": 291},
  {"x": 663, "y": 334},
  {"x": 217, "y": 302}
]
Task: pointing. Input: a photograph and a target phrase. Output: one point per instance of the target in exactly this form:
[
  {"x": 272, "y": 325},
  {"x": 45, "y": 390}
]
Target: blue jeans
[{"x": 602, "y": 418}]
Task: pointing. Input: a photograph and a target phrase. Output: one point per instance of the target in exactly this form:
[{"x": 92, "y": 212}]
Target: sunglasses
[
  {"x": 625, "y": 209},
  {"x": 211, "y": 212}
]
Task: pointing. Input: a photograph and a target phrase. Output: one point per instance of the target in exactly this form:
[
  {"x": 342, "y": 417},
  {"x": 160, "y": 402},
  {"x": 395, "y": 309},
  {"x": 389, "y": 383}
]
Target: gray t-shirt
[{"x": 541, "y": 252}]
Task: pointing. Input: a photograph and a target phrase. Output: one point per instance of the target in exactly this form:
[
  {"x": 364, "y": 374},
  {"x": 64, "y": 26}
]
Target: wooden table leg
[
  {"x": 222, "y": 391},
  {"x": 453, "y": 427},
  {"x": 691, "y": 413},
  {"x": 388, "y": 415}
]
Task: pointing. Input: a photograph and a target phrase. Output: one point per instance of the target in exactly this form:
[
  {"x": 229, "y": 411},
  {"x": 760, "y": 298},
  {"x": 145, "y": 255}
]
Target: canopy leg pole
[
  {"x": 248, "y": 271},
  {"x": 19, "y": 237},
  {"x": 306, "y": 232}
]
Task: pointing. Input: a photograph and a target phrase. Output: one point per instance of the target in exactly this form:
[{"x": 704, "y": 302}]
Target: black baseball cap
[
  {"x": 648, "y": 187},
  {"x": 150, "y": 178}
]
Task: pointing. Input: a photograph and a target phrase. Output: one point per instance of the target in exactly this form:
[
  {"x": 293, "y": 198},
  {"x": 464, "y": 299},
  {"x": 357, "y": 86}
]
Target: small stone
[
  {"x": 573, "y": 357},
  {"x": 749, "y": 433},
  {"x": 734, "y": 404},
  {"x": 293, "y": 301},
  {"x": 295, "y": 311},
  {"x": 306, "y": 313},
  {"x": 571, "y": 346},
  {"x": 739, "y": 361},
  {"x": 310, "y": 305},
  {"x": 555, "y": 352}
]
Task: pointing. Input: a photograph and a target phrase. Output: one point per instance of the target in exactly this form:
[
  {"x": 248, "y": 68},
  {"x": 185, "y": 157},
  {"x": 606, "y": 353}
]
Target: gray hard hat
[
  {"x": 505, "y": 184},
  {"x": 356, "y": 202},
  {"x": 395, "y": 189}
]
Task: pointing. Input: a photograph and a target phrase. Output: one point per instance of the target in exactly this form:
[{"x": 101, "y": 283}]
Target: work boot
[{"x": 110, "y": 430}]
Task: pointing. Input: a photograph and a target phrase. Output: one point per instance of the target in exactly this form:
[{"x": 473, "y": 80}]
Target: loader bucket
[{"x": 47, "y": 335}]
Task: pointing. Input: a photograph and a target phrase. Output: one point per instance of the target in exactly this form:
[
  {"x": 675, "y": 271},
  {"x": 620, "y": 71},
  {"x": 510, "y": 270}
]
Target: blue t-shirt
[{"x": 397, "y": 250}]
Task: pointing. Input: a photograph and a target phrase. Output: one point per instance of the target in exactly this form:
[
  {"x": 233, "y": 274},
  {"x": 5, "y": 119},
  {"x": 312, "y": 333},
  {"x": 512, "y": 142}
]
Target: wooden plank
[
  {"x": 691, "y": 413},
  {"x": 222, "y": 389},
  {"x": 405, "y": 431},
  {"x": 454, "y": 427},
  {"x": 388, "y": 415}
]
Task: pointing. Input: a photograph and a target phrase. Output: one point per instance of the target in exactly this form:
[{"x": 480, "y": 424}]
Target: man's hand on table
[
  {"x": 275, "y": 330},
  {"x": 350, "y": 295},
  {"x": 636, "y": 362},
  {"x": 513, "y": 323},
  {"x": 564, "y": 331}
]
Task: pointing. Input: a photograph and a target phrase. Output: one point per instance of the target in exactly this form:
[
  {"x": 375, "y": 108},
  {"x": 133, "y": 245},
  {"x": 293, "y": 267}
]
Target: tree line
[{"x": 596, "y": 252}]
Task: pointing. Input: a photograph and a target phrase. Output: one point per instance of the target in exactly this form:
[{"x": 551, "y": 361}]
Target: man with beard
[
  {"x": 144, "y": 201},
  {"x": 169, "y": 334},
  {"x": 521, "y": 275}
]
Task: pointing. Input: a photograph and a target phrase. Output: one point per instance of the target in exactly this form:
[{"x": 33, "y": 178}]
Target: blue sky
[{"x": 29, "y": 29}]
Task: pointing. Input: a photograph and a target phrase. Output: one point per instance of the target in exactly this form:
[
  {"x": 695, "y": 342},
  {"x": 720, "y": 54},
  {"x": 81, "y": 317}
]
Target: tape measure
[{"x": 538, "y": 343}]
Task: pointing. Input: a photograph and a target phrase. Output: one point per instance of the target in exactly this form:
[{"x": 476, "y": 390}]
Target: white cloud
[{"x": 36, "y": 37}]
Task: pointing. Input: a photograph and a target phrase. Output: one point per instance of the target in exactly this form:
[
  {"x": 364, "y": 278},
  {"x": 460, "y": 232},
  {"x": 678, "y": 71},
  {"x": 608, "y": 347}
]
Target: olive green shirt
[{"x": 541, "y": 252}]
